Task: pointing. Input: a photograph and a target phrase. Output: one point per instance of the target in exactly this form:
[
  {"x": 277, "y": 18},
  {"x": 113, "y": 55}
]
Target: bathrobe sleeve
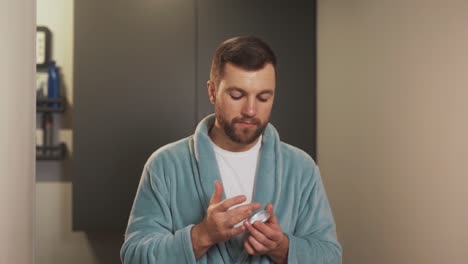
[
  {"x": 149, "y": 237},
  {"x": 314, "y": 238}
]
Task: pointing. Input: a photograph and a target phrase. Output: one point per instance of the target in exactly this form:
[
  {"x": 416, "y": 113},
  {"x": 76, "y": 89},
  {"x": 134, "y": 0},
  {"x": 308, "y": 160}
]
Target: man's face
[{"x": 243, "y": 101}]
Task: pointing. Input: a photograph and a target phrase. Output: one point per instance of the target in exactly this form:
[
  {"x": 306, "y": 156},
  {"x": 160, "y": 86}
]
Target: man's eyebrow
[
  {"x": 234, "y": 88},
  {"x": 267, "y": 91}
]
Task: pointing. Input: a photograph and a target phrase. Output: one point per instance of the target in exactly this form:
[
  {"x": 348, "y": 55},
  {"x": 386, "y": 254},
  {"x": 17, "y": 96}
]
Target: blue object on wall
[{"x": 53, "y": 91}]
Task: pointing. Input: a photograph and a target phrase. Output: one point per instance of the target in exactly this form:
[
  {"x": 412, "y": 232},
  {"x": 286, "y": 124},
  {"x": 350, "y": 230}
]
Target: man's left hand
[{"x": 267, "y": 238}]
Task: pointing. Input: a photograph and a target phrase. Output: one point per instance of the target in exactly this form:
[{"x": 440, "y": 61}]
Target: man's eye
[
  {"x": 236, "y": 97},
  {"x": 263, "y": 99}
]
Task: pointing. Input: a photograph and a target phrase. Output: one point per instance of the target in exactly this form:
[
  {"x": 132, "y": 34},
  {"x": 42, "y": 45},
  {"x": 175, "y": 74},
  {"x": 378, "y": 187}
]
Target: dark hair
[{"x": 247, "y": 52}]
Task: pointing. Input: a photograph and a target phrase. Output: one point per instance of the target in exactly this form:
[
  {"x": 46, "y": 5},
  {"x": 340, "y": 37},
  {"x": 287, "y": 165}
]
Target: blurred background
[{"x": 374, "y": 90}]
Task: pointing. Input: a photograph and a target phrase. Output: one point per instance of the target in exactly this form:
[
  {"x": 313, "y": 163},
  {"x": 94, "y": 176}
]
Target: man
[{"x": 195, "y": 194}]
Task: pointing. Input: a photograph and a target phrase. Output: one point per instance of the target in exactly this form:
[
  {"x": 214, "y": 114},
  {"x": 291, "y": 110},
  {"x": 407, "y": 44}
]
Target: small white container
[{"x": 261, "y": 216}]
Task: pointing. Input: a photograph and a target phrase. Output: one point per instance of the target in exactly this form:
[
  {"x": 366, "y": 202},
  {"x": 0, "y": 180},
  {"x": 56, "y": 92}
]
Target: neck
[{"x": 222, "y": 140}]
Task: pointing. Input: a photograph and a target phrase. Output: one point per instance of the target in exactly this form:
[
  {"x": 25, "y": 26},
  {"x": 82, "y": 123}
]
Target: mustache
[{"x": 255, "y": 121}]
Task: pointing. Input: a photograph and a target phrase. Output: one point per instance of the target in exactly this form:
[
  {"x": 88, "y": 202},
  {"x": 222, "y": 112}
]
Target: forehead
[{"x": 248, "y": 80}]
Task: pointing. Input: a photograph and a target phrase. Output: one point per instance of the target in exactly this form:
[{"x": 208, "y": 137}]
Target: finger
[
  {"x": 242, "y": 212},
  {"x": 273, "y": 219},
  {"x": 269, "y": 232},
  {"x": 238, "y": 216},
  {"x": 249, "y": 248},
  {"x": 228, "y": 203},
  {"x": 250, "y": 206},
  {"x": 218, "y": 193},
  {"x": 259, "y": 236},
  {"x": 257, "y": 246},
  {"x": 236, "y": 231}
]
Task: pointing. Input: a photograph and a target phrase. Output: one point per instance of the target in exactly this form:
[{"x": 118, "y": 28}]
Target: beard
[{"x": 241, "y": 135}]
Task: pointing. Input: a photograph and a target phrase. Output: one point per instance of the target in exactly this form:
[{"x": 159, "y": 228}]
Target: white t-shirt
[{"x": 238, "y": 170}]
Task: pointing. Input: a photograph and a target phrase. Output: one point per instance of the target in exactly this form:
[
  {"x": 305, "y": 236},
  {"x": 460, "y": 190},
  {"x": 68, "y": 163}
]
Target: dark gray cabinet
[{"x": 140, "y": 82}]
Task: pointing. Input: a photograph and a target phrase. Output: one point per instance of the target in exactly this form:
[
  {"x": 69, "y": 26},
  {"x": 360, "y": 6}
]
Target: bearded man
[{"x": 196, "y": 196}]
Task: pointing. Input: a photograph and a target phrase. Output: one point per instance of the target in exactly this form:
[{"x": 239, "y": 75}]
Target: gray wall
[
  {"x": 134, "y": 90},
  {"x": 140, "y": 83}
]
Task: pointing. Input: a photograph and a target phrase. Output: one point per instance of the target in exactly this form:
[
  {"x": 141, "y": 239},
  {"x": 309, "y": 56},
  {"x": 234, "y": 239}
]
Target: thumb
[
  {"x": 269, "y": 208},
  {"x": 217, "y": 194}
]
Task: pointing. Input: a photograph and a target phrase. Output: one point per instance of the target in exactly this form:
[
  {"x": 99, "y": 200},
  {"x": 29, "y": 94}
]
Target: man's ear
[{"x": 211, "y": 91}]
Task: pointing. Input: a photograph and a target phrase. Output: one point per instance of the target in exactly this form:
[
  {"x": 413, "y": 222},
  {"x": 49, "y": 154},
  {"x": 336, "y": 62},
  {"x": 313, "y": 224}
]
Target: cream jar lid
[{"x": 261, "y": 216}]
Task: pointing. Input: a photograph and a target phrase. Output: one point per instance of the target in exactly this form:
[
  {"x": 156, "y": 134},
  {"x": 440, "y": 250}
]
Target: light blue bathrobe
[{"x": 178, "y": 182}]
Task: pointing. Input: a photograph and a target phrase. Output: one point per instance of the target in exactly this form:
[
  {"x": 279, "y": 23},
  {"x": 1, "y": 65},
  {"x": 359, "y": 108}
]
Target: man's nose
[{"x": 250, "y": 108}]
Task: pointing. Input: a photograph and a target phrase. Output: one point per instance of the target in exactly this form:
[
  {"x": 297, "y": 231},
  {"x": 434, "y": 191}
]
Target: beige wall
[
  {"x": 393, "y": 127},
  {"x": 17, "y": 109}
]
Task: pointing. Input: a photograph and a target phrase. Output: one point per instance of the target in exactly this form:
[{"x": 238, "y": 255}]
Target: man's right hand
[{"x": 218, "y": 224}]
